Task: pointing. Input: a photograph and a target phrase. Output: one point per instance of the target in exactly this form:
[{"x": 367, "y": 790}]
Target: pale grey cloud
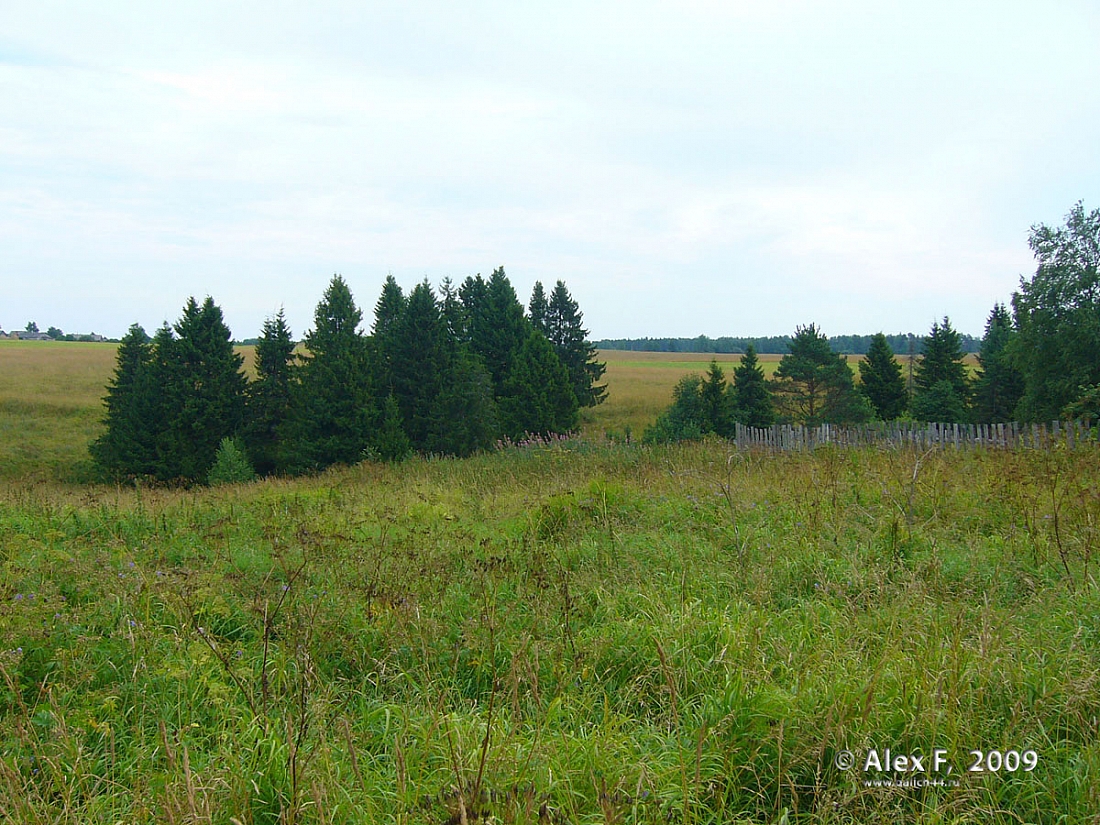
[{"x": 723, "y": 168}]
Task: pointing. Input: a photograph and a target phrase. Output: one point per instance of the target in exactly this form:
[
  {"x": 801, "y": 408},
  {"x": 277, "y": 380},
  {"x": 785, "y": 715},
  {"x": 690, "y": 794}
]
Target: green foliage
[
  {"x": 391, "y": 443},
  {"x": 1057, "y": 316},
  {"x": 269, "y": 396},
  {"x": 717, "y": 411},
  {"x": 563, "y": 325},
  {"x": 750, "y": 397},
  {"x": 881, "y": 380},
  {"x": 128, "y": 446},
  {"x": 941, "y": 386},
  {"x": 686, "y": 419},
  {"x": 333, "y": 402},
  {"x": 231, "y": 464},
  {"x": 537, "y": 397},
  {"x": 814, "y": 385},
  {"x": 538, "y": 309},
  {"x": 999, "y": 385},
  {"x": 464, "y": 414},
  {"x": 497, "y": 328},
  {"x": 203, "y": 392}
]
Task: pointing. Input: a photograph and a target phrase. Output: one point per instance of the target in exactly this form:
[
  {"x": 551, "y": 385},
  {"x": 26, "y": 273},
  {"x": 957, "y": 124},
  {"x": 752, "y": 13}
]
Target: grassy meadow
[{"x": 586, "y": 633}]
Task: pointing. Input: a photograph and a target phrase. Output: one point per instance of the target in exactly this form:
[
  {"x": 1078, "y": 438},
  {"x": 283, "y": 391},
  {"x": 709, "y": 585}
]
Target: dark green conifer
[
  {"x": 537, "y": 397},
  {"x": 334, "y": 409},
  {"x": 565, "y": 329},
  {"x": 128, "y": 446},
  {"x": 203, "y": 392},
  {"x": 538, "y": 308},
  {"x": 750, "y": 398},
  {"x": 269, "y": 395},
  {"x": 881, "y": 380},
  {"x": 814, "y": 385},
  {"x": 999, "y": 385},
  {"x": 942, "y": 388}
]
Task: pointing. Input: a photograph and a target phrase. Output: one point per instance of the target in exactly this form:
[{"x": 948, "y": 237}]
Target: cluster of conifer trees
[{"x": 446, "y": 374}]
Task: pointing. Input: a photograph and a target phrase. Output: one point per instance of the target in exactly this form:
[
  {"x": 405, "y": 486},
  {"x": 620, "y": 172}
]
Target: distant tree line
[
  {"x": 449, "y": 373},
  {"x": 901, "y": 343},
  {"x": 1039, "y": 362}
]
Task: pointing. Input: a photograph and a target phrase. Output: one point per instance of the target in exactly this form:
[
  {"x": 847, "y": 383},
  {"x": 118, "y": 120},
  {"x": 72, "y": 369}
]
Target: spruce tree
[
  {"x": 999, "y": 385},
  {"x": 685, "y": 419},
  {"x": 565, "y": 329},
  {"x": 538, "y": 308},
  {"x": 128, "y": 447},
  {"x": 717, "y": 411},
  {"x": 334, "y": 409},
  {"x": 421, "y": 353},
  {"x": 942, "y": 388},
  {"x": 203, "y": 391},
  {"x": 750, "y": 398},
  {"x": 881, "y": 380},
  {"x": 387, "y": 313},
  {"x": 269, "y": 395},
  {"x": 537, "y": 397},
  {"x": 497, "y": 325},
  {"x": 814, "y": 385},
  {"x": 451, "y": 307},
  {"x": 464, "y": 414}
]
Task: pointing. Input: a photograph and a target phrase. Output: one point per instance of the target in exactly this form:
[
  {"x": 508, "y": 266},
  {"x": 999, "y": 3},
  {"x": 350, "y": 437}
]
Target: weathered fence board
[{"x": 1011, "y": 436}]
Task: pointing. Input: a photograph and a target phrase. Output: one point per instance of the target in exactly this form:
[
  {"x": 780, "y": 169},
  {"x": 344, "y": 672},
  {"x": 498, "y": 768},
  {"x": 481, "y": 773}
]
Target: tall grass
[{"x": 581, "y": 633}]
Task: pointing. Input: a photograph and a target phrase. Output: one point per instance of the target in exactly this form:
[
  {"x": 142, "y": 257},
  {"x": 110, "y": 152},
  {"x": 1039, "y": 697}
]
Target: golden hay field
[{"x": 51, "y": 397}]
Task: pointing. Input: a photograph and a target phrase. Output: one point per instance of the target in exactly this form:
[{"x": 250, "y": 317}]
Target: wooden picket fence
[{"x": 787, "y": 437}]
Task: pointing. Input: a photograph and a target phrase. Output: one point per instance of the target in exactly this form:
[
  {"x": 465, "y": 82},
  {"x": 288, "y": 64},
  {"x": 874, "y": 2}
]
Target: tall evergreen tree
[
  {"x": 999, "y": 385},
  {"x": 565, "y": 329},
  {"x": 422, "y": 354},
  {"x": 335, "y": 408},
  {"x": 717, "y": 409},
  {"x": 128, "y": 446},
  {"x": 269, "y": 395},
  {"x": 464, "y": 416},
  {"x": 942, "y": 391},
  {"x": 497, "y": 326},
  {"x": 881, "y": 380},
  {"x": 451, "y": 307},
  {"x": 537, "y": 397},
  {"x": 204, "y": 393},
  {"x": 387, "y": 314},
  {"x": 750, "y": 397},
  {"x": 538, "y": 308},
  {"x": 814, "y": 385}
]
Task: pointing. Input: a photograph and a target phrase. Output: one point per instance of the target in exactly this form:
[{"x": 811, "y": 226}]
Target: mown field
[{"x": 589, "y": 633}]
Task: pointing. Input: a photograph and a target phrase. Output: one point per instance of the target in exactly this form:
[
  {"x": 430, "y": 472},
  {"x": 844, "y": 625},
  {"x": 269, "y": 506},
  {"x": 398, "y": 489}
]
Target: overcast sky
[{"x": 688, "y": 168}]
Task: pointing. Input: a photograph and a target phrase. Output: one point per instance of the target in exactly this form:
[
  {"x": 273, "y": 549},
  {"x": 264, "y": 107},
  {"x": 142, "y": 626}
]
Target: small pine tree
[
  {"x": 717, "y": 411},
  {"x": 881, "y": 380},
  {"x": 391, "y": 443},
  {"x": 750, "y": 398},
  {"x": 537, "y": 398},
  {"x": 685, "y": 419},
  {"x": 231, "y": 464}
]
